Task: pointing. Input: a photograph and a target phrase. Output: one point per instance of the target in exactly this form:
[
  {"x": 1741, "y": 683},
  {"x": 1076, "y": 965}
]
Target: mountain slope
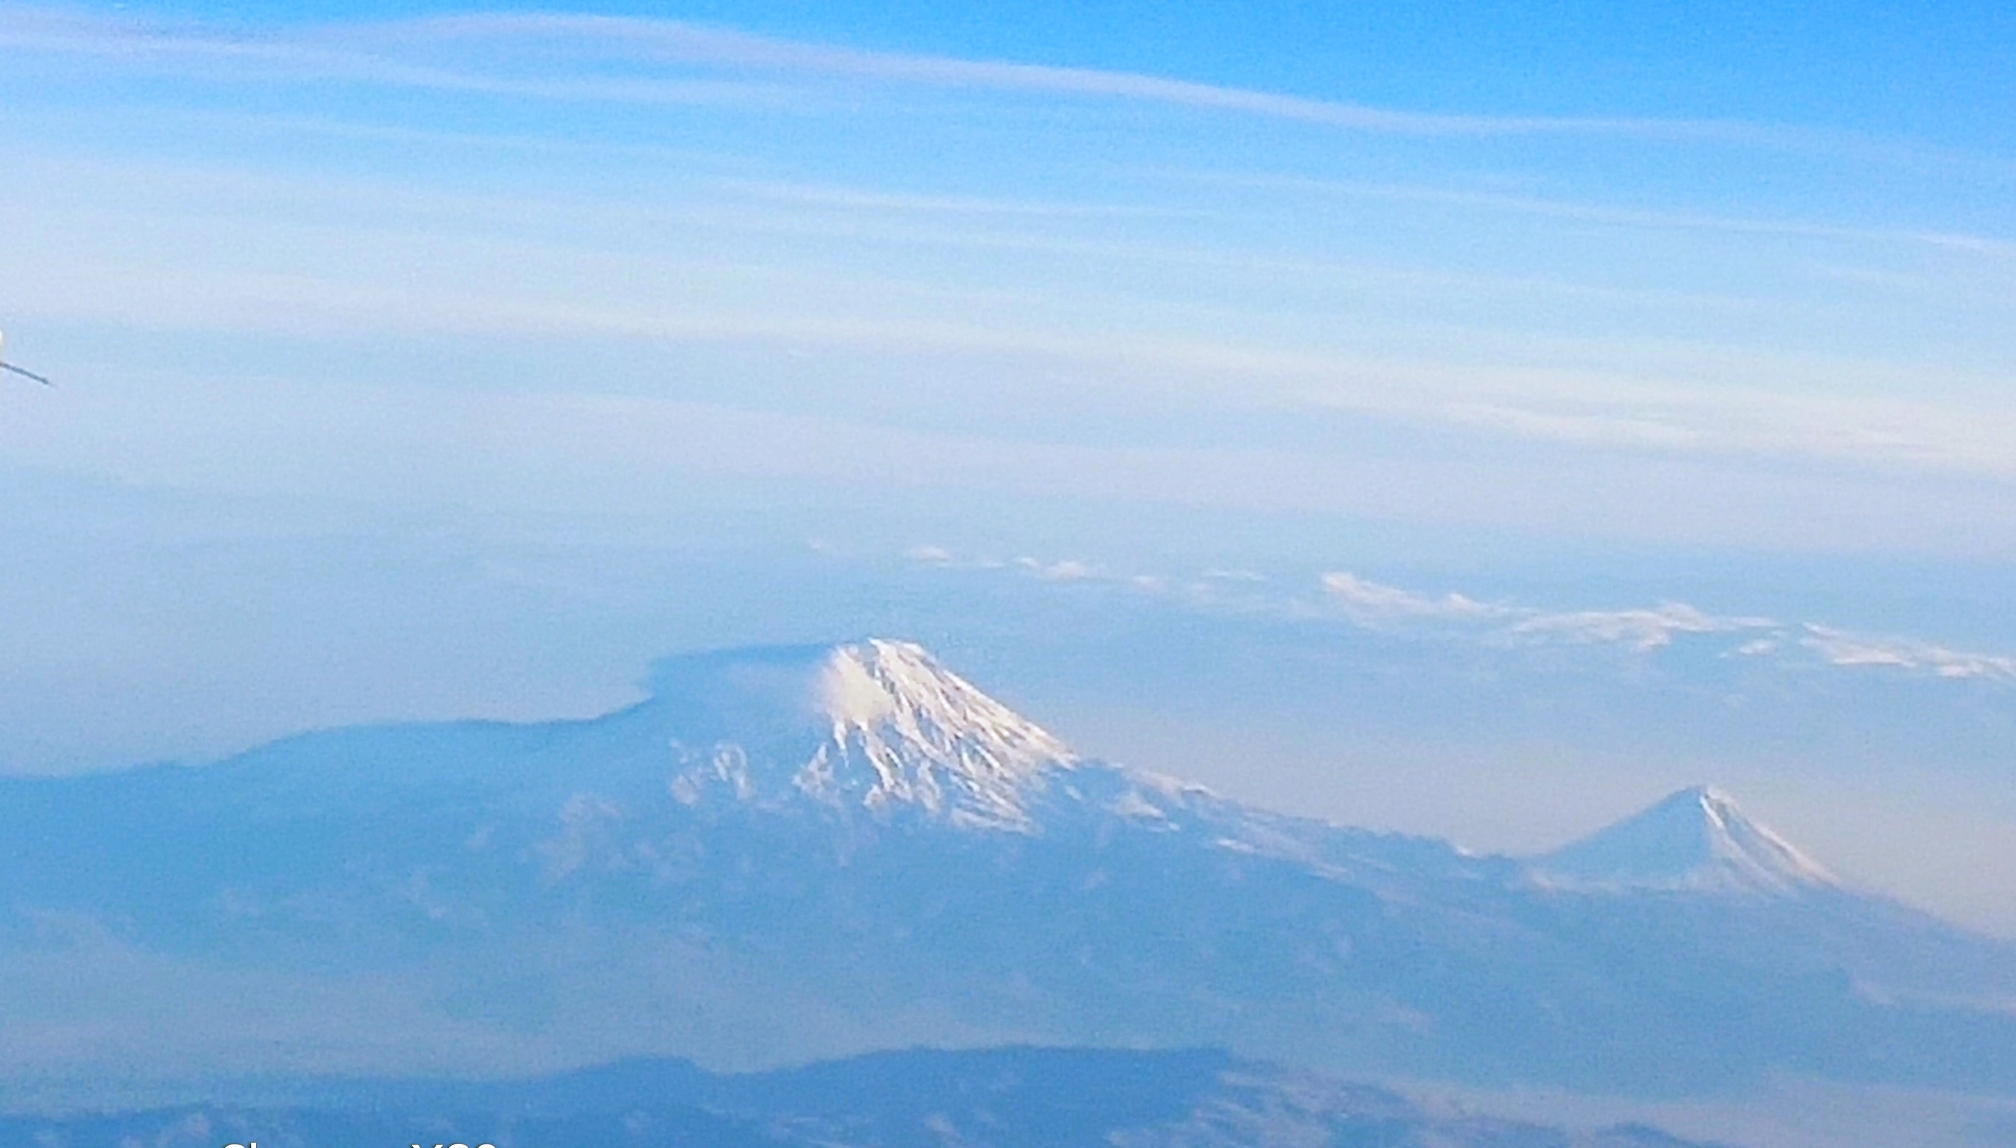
[
  {"x": 787, "y": 854},
  {"x": 1694, "y": 839}
]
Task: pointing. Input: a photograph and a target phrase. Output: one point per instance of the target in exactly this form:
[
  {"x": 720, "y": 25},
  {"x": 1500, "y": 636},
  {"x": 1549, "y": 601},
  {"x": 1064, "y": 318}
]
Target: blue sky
[
  {"x": 1937, "y": 73},
  {"x": 424, "y": 361}
]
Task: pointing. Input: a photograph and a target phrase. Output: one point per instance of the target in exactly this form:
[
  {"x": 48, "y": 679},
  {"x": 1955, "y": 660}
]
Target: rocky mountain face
[{"x": 790, "y": 854}]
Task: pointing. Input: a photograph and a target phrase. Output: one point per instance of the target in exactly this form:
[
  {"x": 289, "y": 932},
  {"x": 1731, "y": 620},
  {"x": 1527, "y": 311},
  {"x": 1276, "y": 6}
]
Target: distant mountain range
[
  {"x": 997, "y": 1098},
  {"x": 792, "y": 854}
]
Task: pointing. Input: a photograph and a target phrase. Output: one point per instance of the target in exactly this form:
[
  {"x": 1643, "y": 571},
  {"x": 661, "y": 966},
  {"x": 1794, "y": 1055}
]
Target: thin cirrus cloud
[
  {"x": 293, "y": 57},
  {"x": 1541, "y": 406},
  {"x": 693, "y": 44},
  {"x": 1603, "y": 348},
  {"x": 1999, "y": 250},
  {"x": 380, "y": 53}
]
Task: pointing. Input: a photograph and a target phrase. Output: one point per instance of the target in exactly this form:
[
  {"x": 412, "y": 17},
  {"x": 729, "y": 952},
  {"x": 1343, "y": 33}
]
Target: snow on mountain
[
  {"x": 895, "y": 730},
  {"x": 793, "y": 852},
  {"x": 906, "y": 730},
  {"x": 1696, "y": 839}
]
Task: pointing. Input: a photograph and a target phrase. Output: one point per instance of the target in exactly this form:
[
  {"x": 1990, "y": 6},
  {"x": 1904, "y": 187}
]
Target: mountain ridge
[
  {"x": 1009, "y": 1097},
  {"x": 669, "y": 879}
]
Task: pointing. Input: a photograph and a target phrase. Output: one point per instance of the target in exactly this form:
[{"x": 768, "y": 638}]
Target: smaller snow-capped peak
[
  {"x": 906, "y": 730},
  {"x": 1696, "y": 839}
]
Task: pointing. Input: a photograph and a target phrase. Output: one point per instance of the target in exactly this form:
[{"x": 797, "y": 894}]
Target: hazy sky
[{"x": 422, "y": 361}]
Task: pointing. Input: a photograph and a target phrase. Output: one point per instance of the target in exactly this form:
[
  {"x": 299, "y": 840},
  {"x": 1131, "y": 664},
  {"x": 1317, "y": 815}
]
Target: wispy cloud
[
  {"x": 549, "y": 49},
  {"x": 89, "y": 259},
  {"x": 858, "y": 199},
  {"x": 1196, "y": 304},
  {"x": 1651, "y": 628},
  {"x": 294, "y": 56},
  {"x": 1497, "y": 202},
  {"x": 1646, "y": 628},
  {"x": 1373, "y": 603},
  {"x": 388, "y": 54},
  {"x": 693, "y": 44},
  {"x": 1642, "y": 631},
  {"x": 1841, "y": 648}
]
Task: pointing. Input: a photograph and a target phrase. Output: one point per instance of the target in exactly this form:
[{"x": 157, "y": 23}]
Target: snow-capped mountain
[
  {"x": 898, "y": 731},
  {"x": 791, "y": 853},
  {"x": 1696, "y": 839}
]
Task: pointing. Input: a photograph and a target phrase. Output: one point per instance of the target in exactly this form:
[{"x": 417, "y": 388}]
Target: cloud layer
[{"x": 1342, "y": 596}]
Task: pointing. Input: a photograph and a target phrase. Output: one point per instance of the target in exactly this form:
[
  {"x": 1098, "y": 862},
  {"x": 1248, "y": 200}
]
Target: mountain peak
[
  {"x": 906, "y": 730},
  {"x": 879, "y": 680},
  {"x": 1697, "y": 839},
  {"x": 888, "y": 727}
]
